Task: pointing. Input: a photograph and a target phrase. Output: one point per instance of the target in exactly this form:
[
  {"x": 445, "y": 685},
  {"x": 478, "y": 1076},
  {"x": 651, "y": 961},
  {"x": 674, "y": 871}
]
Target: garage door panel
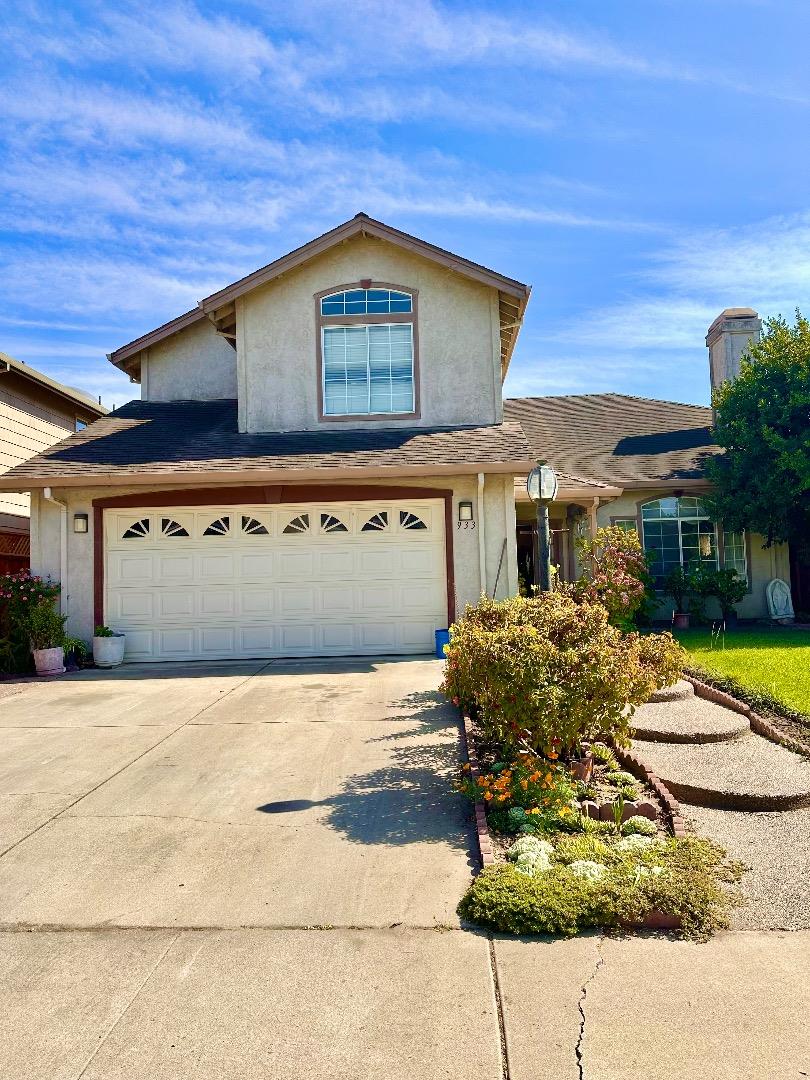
[{"x": 207, "y": 586}]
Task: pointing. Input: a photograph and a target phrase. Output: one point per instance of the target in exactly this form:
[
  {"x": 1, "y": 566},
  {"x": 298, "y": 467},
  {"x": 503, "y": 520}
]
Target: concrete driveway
[{"x": 249, "y": 871}]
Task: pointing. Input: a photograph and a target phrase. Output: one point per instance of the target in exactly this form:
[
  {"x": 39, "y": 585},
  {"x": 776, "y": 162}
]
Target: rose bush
[
  {"x": 549, "y": 673},
  {"x": 19, "y": 595}
]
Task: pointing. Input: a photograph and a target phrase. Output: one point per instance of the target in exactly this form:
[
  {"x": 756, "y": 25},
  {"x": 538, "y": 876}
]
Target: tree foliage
[{"x": 762, "y": 482}]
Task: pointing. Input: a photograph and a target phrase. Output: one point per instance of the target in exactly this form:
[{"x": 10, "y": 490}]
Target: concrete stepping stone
[
  {"x": 747, "y": 773},
  {"x": 688, "y": 720},
  {"x": 676, "y": 692}
]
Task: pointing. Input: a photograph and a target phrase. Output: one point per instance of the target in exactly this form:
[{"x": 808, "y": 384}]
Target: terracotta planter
[
  {"x": 582, "y": 768},
  {"x": 680, "y": 620},
  {"x": 108, "y": 652},
  {"x": 50, "y": 661}
]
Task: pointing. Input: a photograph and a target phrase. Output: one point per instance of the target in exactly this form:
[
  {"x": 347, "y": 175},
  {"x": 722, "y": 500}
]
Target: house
[
  {"x": 322, "y": 463},
  {"x": 35, "y": 412}
]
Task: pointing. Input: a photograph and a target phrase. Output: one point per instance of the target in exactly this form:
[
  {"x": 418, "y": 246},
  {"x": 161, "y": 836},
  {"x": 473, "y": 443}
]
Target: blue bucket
[{"x": 442, "y": 639}]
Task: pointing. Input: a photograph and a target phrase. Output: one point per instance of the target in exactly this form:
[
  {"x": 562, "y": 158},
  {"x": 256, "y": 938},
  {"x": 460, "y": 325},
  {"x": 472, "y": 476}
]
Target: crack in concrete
[
  {"x": 579, "y": 1048},
  {"x": 496, "y": 986}
]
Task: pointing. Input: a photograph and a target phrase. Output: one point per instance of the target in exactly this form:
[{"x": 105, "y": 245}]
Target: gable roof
[
  {"x": 86, "y": 403},
  {"x": 616, "y": 438},
  {"x": 148, "y": 442},
  {"x": 219, "y": 306}
]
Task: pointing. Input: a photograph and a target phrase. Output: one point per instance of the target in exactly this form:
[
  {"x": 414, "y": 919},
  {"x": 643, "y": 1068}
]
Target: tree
[{"x": 762, "y": 481}]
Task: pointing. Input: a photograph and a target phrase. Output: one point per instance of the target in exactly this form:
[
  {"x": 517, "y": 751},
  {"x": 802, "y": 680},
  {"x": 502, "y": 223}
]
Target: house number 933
[{"x": 465, "y": 524}]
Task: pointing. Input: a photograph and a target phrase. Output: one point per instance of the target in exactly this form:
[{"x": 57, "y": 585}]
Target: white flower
[
  {"x": 530, "y": 845},
  {"x": 636, "y": 842},
  {"x": 532, "y": 863},
  {"x": 588, "y": 869}
]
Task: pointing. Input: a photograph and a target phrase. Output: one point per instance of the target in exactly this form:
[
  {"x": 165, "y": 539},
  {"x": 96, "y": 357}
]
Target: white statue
[{"x": 780, "y": 605}]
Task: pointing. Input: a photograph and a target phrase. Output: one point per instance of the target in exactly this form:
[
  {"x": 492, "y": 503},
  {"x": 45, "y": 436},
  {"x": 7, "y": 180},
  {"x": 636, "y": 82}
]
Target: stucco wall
[
  {"x": 196, "y": 364},
  {"x": 78, "y": 580},
  {"x": 764, "y": 564},
  {"x": 458, "y": 328}
]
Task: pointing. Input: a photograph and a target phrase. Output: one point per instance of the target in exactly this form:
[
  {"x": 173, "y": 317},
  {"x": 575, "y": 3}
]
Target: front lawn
[{"x": 770, "y": 660}]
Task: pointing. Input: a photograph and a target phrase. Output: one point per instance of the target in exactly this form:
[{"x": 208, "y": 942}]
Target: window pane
[
  {"x": 627, "y": 525},
  {"x": 368, "y": 369},
  {"x": 331, "y": 307},
  {"x": 734, "y": 556},
  {"x": 365, "y": 301}
]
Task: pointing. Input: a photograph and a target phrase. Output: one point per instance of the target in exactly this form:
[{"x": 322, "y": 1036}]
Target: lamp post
[{"x": 541, "y": 485}]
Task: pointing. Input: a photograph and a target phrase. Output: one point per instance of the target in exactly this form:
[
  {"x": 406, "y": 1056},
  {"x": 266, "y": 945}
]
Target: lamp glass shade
[
  {"x": 465, "y": 511},
  {"x": 80, "y": 523},
  {"x": 541, "y": 484}
]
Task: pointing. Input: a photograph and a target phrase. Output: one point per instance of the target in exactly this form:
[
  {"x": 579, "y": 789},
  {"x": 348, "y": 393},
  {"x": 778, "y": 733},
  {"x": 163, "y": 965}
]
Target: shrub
[
  {"x": 689, "y": 878},
  {"x": 614, "y": 573},
  {"x": 46, "y": 626},
  {"x": 550, "y": 673},
  {"x": 582, "y": 848},
  {"x": 19, "y": 594}
]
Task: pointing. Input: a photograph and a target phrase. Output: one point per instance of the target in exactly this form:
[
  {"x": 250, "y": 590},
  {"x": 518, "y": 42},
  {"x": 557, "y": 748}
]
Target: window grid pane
[
  {"x": 734, "y": 557},
  {"x": 678, "y": 532},
  {"x": 368, "y": 369},
  {"x": 366, "y": 302}
]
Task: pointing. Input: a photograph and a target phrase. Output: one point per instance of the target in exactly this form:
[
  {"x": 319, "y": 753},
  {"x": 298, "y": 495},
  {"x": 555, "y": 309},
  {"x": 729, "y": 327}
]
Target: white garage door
[{"x": 189, "y": 583}]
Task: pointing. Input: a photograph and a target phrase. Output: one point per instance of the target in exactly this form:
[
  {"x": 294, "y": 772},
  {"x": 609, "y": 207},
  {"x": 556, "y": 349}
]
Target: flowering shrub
[
  {"x": 548, "y": 673},
  {"x": 614, "y": 573},
  {"x": 19, "y": 594},
  {"x": 531, "y": 792}
]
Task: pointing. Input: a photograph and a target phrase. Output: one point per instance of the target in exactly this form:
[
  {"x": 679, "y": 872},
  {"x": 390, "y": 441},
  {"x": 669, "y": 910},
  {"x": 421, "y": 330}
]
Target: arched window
[{"x": 368, "y": 352}]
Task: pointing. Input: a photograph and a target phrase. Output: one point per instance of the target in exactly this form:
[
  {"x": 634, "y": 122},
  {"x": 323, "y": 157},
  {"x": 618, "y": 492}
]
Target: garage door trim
[{"x": 270, "y": 495}]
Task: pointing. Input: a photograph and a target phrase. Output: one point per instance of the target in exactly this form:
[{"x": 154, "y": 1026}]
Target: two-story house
[
  {"x": 35, "y": 412},
  {"x": 322, "y": 463},
  {"x": 319, "y": 464}
]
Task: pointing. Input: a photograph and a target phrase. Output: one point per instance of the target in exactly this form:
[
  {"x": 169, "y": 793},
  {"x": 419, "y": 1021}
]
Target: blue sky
[{"x": 642, "y": 163}]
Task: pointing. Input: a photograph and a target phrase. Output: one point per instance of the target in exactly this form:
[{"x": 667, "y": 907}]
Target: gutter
[
  {"x": 47, "y": 494},
  {"x": 482, "y": 550}
]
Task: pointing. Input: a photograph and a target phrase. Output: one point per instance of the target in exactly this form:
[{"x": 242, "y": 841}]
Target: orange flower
[
  {"x": 524, "y": 784},
  {"x": 553, "y": 755},
  {"x": 487, "y": 795}
]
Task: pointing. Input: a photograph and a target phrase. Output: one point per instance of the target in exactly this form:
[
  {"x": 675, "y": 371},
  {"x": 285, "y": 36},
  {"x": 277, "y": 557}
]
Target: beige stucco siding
[
  {"x": 457, "y": 331},
  {"x": 27, "y": 426},
  {"x": 78, "y": 579},
  {"x": 764, "y": 564},
  {"x": 195, "y": 364}
]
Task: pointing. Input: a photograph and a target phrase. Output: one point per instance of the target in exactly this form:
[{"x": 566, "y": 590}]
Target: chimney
[{"x": 728, "y": 338}]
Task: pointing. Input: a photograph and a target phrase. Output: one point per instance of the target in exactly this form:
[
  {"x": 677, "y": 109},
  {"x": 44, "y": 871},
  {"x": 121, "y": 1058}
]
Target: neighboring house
[
  {"x": 322, "y": 464},
  {"x": 35, "y": 412}
]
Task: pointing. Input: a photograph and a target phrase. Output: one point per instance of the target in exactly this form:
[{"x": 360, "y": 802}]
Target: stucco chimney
[{"x": 727, "y": 340}]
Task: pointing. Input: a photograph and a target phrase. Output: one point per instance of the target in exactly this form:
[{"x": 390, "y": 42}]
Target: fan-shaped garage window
[
  {"x": 377, "y": 522},
  {"x": 366, "y": 302},
  {"x": 170, "y": 527},
  {"x": 137, "y": 530},
  {"x": 410, "y": 521},
  {"x": 330, "y": 523},
  {"x": 298, "y": 524},
  {"x": 253, "y": 527},
  {"x": 220, "y": 527}
]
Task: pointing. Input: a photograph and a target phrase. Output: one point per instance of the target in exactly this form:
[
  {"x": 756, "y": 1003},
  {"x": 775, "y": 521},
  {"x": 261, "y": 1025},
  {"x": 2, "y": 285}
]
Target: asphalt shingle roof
[
  {"x": 181, "y": 438},
  {"x": 615, "y": 438}
]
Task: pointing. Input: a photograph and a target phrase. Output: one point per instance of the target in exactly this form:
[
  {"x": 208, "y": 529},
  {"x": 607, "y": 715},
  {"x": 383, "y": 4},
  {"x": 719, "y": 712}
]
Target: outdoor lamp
[
  {"x": 80, "y": 523},
  {"x": 465, "y": 511},
  {"x": 541, "y": 483}
]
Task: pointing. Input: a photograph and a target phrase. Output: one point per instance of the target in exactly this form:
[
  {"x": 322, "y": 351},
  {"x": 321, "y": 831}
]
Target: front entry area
[{"x": 242, "y": 581}]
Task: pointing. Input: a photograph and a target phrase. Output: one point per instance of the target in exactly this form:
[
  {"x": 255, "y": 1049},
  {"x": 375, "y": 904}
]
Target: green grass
[{"x": 772, "y": 661}]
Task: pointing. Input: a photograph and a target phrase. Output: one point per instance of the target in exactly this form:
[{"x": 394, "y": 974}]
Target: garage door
[{"x": 189, "y": 583}]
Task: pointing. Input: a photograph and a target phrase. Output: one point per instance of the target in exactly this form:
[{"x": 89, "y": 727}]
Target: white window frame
[{"x": 367, "y": 326}]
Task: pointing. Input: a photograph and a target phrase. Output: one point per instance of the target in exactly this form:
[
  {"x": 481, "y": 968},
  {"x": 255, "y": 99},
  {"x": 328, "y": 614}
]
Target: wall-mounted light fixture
[
  {"x": 465, "y": 511},
  {"x": 80, "y": 523}
]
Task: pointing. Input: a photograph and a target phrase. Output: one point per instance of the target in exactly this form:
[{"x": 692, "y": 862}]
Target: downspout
[
  {"x": 47, "y": 494},
  {"x": 482, "y": 548},
  {"x": 594, "y": 508}
]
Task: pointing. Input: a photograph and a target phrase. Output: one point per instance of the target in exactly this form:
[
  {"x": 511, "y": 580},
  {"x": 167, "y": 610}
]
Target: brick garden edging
[
  {"x": 485, "y": 852},
  {"x": 636, "y": 764},
  {"x": 758, "y": 723}
]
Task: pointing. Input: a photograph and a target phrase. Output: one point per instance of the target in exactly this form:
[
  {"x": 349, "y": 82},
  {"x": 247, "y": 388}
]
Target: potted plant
[
  {"x": 676, "y": 585},
  {"x": 47, "y": 631},
  {"x": 108, "y": 647},
  {"x": 75, "y": 653},
  {"x": 729, "y": 588}
]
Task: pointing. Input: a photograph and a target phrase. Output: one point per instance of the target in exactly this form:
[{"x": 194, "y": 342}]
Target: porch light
[
  {"x": 80, "y": 523},
  {"x": 465, "y": 511},
  {"x": 542, "y": 484}
]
